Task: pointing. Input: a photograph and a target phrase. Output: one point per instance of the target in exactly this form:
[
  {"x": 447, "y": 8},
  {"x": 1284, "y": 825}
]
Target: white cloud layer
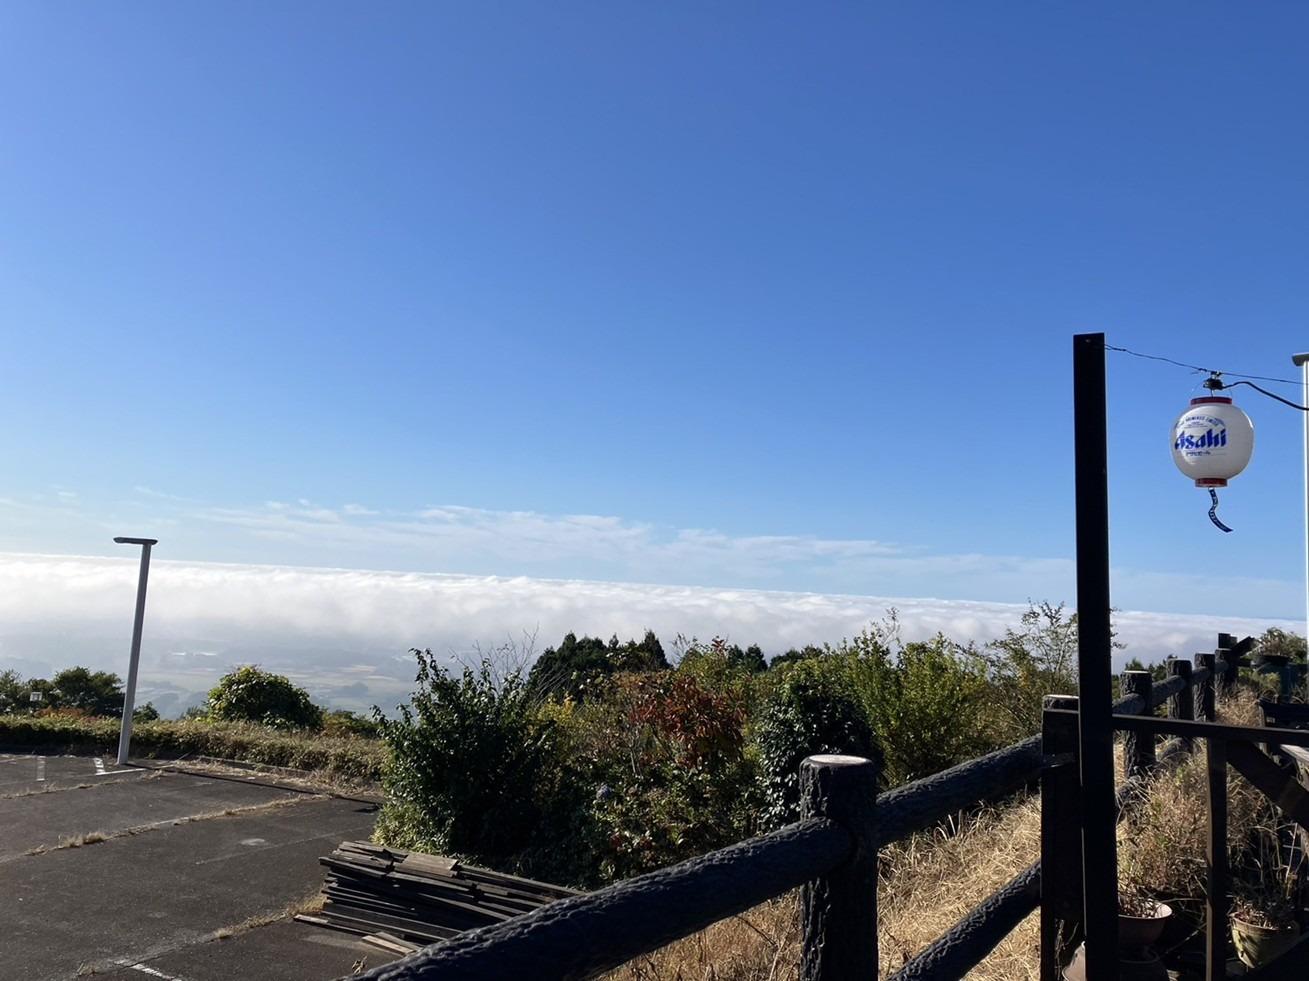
[
  {"x": 607, "y": 548},
  {"x": 345, "y": 634}
]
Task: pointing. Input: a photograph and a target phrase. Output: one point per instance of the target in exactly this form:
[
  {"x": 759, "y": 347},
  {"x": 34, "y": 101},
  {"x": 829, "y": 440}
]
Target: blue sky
[{"x": 736, "y": 295}]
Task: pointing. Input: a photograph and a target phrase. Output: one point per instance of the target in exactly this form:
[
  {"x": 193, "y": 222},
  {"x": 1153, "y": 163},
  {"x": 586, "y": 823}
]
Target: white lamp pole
[
  {"x": 129, "y": 696},
  {"x": 1302, "y": 361}
]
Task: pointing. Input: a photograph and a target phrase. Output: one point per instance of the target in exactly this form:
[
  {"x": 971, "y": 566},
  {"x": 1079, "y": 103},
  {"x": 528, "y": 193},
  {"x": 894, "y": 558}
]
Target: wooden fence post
[
  {"x": 1231, "y": 669},
  {"x": 1231, "y": 657},
  {"x": 1061, "y": 869},
  {"x": 1181, "y": 705},
  {"x": 839, "y": 911},
  {"x": 1138, "y": 747},
  {"x": 1206, "y": 709}
]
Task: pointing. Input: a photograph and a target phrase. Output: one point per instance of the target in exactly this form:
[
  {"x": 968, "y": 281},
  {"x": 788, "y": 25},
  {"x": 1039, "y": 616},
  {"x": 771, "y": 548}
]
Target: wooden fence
[{"x": 830, "y": 854}]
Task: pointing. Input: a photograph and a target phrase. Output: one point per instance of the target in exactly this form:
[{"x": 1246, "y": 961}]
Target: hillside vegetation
[
  {"x": 251, "y": 716},
  {"x": 606, "y": 761}
]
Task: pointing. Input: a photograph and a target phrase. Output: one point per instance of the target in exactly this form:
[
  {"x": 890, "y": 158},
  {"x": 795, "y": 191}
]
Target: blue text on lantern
[{"x": 1208, "y": 441}]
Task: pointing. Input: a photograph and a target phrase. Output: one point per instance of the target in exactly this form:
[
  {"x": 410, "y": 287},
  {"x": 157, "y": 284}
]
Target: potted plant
[
  {"x": 1160, "y": 879},
  {"x": 1141, "y": 920},
  {"x": 1267, "y": 896}
]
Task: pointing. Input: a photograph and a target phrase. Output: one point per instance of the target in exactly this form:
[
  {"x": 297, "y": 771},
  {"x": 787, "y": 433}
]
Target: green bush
[
  {"x": 250, "y": 694},
  {"x": 341, "y": 722},
  {"x": 725, "y": 669},
  {"x": 667, "y": 758},
  {"x": 473, "y": 767},
  {"x": 929, "y": 703},
  {"x": 813, "y": 708}
]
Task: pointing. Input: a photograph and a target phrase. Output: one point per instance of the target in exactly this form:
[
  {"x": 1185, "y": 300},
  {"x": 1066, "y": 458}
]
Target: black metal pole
[
  {"x": 1215, "y": 937},
  {"x": 1094, "y": 721}
]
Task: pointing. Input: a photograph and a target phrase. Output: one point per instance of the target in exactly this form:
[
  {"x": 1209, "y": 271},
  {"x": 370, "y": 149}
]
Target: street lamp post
[
  {"x": 129, "y": 696},
  {"x": 1302, "y": 362}
]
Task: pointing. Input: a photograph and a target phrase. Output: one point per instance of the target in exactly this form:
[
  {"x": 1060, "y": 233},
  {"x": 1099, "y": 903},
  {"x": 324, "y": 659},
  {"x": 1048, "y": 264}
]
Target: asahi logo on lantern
[{"x": 1212, "y": 441}]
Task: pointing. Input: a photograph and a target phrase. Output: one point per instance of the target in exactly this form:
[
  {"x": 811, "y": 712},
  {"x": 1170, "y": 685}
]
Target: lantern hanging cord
[
  {"x": 1208, "y": 371},
  {"x": 1264, "y": 391},
  {"x": 1213, "y": 511}
]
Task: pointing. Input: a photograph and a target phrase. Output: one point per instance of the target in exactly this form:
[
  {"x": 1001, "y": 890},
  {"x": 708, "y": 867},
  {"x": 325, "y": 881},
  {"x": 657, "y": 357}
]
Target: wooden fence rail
[
  {"x": 831, "y": 855},
  {"x": 590, "y": 934}
]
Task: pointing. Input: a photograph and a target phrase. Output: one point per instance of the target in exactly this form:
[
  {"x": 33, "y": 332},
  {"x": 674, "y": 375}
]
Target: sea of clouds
[{"x": 346, "y": 634}]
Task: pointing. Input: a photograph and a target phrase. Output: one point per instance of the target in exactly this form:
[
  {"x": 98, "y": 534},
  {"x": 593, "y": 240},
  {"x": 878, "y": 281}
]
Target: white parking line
[
  {"x": 40, "y": 768},
  {"x": 148, "y": 970},
  {"x": 100, "y": 770}
]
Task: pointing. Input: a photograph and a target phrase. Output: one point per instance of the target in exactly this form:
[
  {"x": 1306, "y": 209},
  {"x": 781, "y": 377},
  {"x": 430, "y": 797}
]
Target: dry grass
[
  {"x": 54, "y": 787},
  {"x": 932, "y": 880},
  {"x": 319, "y": 782},
  {"x": 310, "y": 903},
  {"x": 71, "y": 841},
  {"x": 1241, "y": 707},
  {"x": 93, "y": 837},
  {"x": 928, "y": 883},
  {"x": 761, "y": 945},
  {"x": 1162, "y": 841},
  {"x": 345, "y": 758}
]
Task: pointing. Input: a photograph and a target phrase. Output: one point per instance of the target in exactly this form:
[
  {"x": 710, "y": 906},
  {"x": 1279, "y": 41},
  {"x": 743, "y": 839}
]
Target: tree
[
  {"x": 577, "y": 663},
  {"x": 94, "y": 692},
  {"x": 648, "y": 655},
  {"x": 1030, "y": 663},
  {"x": 751, "y": 659},
  {"x": 796, "y": 654},
  {"x": 1281, "y": 642},
  {"x": 13, "y": 693},
  {"x": 250, "y": 694}
]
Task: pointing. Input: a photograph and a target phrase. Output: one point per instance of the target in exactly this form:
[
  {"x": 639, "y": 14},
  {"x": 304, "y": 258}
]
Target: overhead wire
[
  {"x": 1216, "y": 383},
  {"x": 1196, "y": 367},
  {"x": 1271, "y": 395}
]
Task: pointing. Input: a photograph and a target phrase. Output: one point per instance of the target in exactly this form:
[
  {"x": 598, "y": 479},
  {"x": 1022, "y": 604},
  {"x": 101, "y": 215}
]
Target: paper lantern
[{"x": 1212, "y": 441}]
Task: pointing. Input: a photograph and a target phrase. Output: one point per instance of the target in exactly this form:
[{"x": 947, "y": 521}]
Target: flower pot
[
  {"x": 1257, "y": 946},
  {"x": 1137, "y": 960},
  {"x": 1143, "y": 965},
  {"x": 1135, "y": 933}
]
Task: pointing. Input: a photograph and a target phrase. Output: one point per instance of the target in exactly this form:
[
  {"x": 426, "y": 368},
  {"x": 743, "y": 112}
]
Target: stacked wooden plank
[{"x": 402, "y": 900}]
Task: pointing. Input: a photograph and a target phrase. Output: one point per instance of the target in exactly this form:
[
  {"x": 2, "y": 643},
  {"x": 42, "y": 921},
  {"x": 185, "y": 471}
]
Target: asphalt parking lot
[{"x": 142, "y": 872}]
